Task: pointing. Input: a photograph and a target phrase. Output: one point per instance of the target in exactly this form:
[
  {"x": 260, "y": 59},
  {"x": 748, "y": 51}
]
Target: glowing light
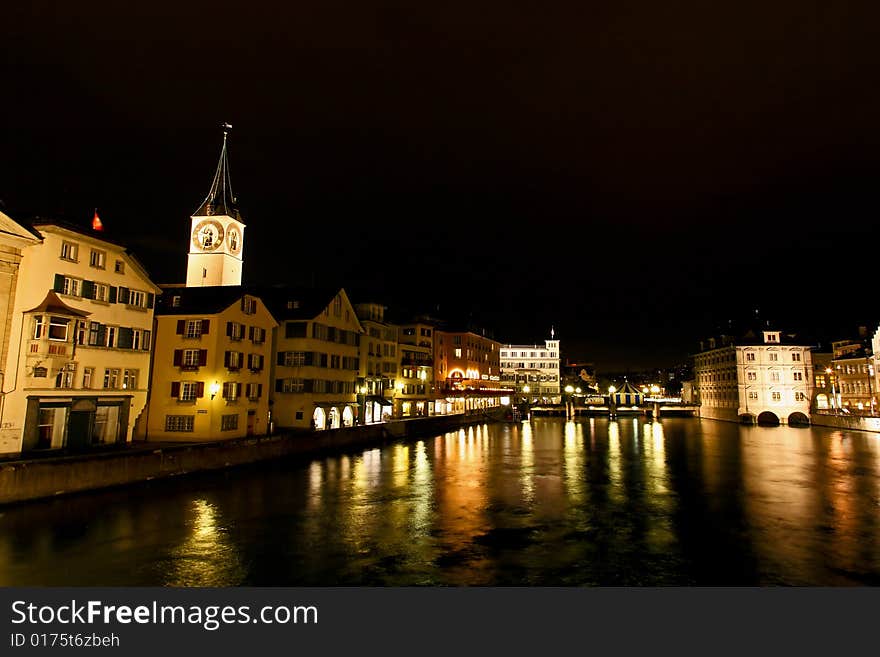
[
  {"x": 215, "y": 388},
  {"x": 569, "y": 389},
  {"x": 611, "y": 390},
  {"x": 526, "y": 389}
]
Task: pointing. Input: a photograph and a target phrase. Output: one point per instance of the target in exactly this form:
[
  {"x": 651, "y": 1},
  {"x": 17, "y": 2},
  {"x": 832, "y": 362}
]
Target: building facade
[
  {"x": 316, "y": 363},
  {"x": 764, "y": 376},
  {"x": 379, "y": 361},
  {"x": 78, "y": 362},
  {"x": 854, "y": 374},
  {"x": 211, "y": 366},
  {"x": 533, "y": 371},
  {"x": 467, "y": 370},
  {"x": 414, "y": 390}
]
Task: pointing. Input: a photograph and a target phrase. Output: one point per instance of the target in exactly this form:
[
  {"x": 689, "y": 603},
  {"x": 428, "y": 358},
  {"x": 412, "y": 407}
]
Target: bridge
[{"x": 651, "y": 407}]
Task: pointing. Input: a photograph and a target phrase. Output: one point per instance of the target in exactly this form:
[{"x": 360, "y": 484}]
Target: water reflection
[{"x": 547, "y": 502}]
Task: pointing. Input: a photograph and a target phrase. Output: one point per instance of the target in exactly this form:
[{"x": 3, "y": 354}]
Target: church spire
[{"x": 220, "y": 200}]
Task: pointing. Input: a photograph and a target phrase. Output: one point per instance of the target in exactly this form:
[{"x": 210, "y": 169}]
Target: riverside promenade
[{"x": 26, "y": 479}]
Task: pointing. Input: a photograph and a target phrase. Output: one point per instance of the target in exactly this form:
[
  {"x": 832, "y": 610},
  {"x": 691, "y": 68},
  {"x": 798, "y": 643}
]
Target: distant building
[
  {"x": 80, "y": 339},
  {"x": 378, "y": 363},
  {"x": 317, "y": 358},
  {"x": 467, "y": 366},
  {"x": 853, "y": 366},
  {"x": 533, "y": 370},
  {"x": 414, "y": 390},
  {"x": 762, "y": 375}
]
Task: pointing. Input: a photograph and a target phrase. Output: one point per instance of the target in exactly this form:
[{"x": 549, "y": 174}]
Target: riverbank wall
[
  {"x": 853, "y": 422},
  {"x": 32, "y": 479}
]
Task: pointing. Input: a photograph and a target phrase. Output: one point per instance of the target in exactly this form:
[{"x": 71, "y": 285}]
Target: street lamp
[
  {"x": 569, "y": 405},
  {"x": 829, "y": 372}
]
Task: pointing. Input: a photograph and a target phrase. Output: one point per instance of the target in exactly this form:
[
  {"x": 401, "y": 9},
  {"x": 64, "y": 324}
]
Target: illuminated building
[
  {"x": 78, "y": 360},
  {"x": 467, "y": 367},
  {"x": 316, "y": 363},
  {"x": 536, "y": 367},
  {"x": 216, "y": 234},
  {"x": 414, "y": 391},
  {"x": 378, "y": 362},
  {"x": 761, "y": 376},
  {"x": 211, "y": 367},
  {"x": 853, "y": 369}
]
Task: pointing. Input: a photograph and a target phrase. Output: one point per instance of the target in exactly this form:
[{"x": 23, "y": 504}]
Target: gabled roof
[
  {"x": 52, "y": 304},
  {"x": 220, "y": 199},
  {"x": 12, "y": 228},
  {"x": 292, "y": 302}
]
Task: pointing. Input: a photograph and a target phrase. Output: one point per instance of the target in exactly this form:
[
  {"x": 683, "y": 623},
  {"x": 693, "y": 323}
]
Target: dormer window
[{"x": 771, "y": 337}]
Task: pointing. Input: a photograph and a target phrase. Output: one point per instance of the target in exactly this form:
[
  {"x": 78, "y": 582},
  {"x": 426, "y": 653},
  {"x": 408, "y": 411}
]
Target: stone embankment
[{"x": 31, "y": 479}]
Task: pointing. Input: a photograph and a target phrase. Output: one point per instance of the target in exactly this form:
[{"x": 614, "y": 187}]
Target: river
[{"x": 631, "y": 502}]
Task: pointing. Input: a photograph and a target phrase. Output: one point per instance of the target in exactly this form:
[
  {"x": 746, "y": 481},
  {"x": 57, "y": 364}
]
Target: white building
[
  {"x": 533, "y": 370},
  {"x": 79, "y": 344},
  {"x": 765, "y": 376}
]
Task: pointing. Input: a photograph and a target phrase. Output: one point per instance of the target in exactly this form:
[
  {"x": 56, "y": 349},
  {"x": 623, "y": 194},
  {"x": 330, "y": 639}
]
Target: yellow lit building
[
  {"x": 414, "y": 391},
  {"x": 467, "y": 368},
  {"x": 379, "y": 363},
  {"x": 316, "y": 363},
  {"x": 79, "y": 344},
  {"x": 212, "y": 364}
]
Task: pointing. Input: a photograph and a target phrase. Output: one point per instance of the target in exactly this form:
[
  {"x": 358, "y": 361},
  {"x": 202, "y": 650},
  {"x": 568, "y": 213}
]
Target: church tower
[{"x": 217, "y": 233}]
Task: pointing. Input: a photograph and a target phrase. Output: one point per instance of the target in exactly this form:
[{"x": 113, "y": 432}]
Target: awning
[{"x": 379, "y": 400}]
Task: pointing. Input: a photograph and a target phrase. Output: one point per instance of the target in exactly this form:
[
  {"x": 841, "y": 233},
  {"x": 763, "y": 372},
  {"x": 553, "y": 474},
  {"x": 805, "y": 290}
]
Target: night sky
[{"x": 631, "y": 172}]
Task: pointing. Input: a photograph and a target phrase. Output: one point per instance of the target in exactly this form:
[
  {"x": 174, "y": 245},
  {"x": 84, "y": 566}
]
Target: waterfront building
[
  {"x": 761, "y": 375},
  {"x": 211, "y": 366},
  {"x": 216, "y": 239},
  {"x": 378, "y": 363},
  {"x": 535, "y": 368},
  {"x": 875, "y": 350},
  {"x": 13, "y": 239},
  {"x": 414, "y": 393},
  {"x": 853, "y": 367},
  {"x": 467, "y": 366},
  {"x": 80, "y": 339},
  {"x": 316, "y": 364},
  {"x": 825, "y": 383}
]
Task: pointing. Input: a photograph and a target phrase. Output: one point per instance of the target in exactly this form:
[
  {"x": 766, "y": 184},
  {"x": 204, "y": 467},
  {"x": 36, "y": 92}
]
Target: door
[
  {"x": 79, "y": 430},
  {"x": 251, "y": 422}
]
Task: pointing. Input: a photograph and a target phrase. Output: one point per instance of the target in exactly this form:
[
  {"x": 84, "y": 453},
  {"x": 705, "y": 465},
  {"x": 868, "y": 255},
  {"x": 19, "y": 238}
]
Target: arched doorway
[
  {"x": 798, "y": 420},
  {"x": 747, "y": 418},
  {"x": 347, "y": 417},
  {"x": 768, "y": 419},
  {"x": 822, "y": 401},
  {"x": 334, "y": 417},
  {"x": 319, "y": 419}
]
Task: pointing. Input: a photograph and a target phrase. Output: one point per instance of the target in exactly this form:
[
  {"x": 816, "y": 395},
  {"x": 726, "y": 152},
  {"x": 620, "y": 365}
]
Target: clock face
[
  {"x": 208, "y": 235},
  {"x": 233, "y": 240}
]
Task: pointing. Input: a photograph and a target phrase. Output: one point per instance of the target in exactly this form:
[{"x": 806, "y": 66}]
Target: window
[
  {"x": 58, "y": 328},
  {"x": 776, "y": 396},
  {"x": 69, "y": 251},
  {"x": 799, "y": 397},
  {"x": 751, "y": 376},
  {"x": 229, "y": 423},
  {"x": 137, "y": 298},
  {"x": 798, "y": 376},
  {"x": 774, "y": 376},
  {"x": 140, "y": 339},
  {"x": 175, "y": 301},
  {"x": 88, "y": 373},
  {"x": 258, "y": 334},
  {"x": 189, "y": 390},
  {"x": 101, "y": 292},
  {"x": 98, "y": 259},
  {"x": 774, "y": 357},
  {"x": 753, "y": 394},
  {"x": 193, "y": 328},
  {"x": 230, "y": 390},
  {"x": 119, "y": 268},
  {"x": 234, "y": 330},
  {"x": 190, "y": 358},
  {"x": 109, "y": 336},
  {"x": 179, "y": 422},
  {"x": 337, "y": 306},
  {"x": 248, "y": 305},
  {"x": 796, "y": 357},
  {"x": 458, "y": 353},
  {"x": 255, "y": 362},
  {"x": 65, "y": 377},
  {"x": 254, "y": 391},
  {"x": 71, "y": 286},
  {"x": 294, "y": 358},
  {"x": 233, "y": 360},
  {"x": 38, "y": 327},
  {"x": 111, "y": 378},
  {"x": 129, "y": 379},
  {"x": 750, "y": 356},
  {"x": 292, "y": 385}
]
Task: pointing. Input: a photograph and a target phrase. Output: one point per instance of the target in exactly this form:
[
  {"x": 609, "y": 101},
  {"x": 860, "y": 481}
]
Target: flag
[{"x": 96, "y": 221}]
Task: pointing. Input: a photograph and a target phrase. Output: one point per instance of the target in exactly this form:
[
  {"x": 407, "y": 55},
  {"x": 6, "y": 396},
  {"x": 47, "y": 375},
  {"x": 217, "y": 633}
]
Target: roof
[
  {"x": 288, "y": 302},
  {"x": 220, "y": 199},
  {"x": 627, "y": 389},
  {"x": 12, "y": 228},
  {"x": 53, "y": 304},
  {"x": 208, "y": 300}
]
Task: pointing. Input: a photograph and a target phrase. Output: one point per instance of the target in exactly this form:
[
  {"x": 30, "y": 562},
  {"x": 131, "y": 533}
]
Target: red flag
[{"x": 96, "y": 221}]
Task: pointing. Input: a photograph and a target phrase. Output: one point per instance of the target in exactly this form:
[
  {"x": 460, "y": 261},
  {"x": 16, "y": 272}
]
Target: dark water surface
[{"x": 592, "y": 502}]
